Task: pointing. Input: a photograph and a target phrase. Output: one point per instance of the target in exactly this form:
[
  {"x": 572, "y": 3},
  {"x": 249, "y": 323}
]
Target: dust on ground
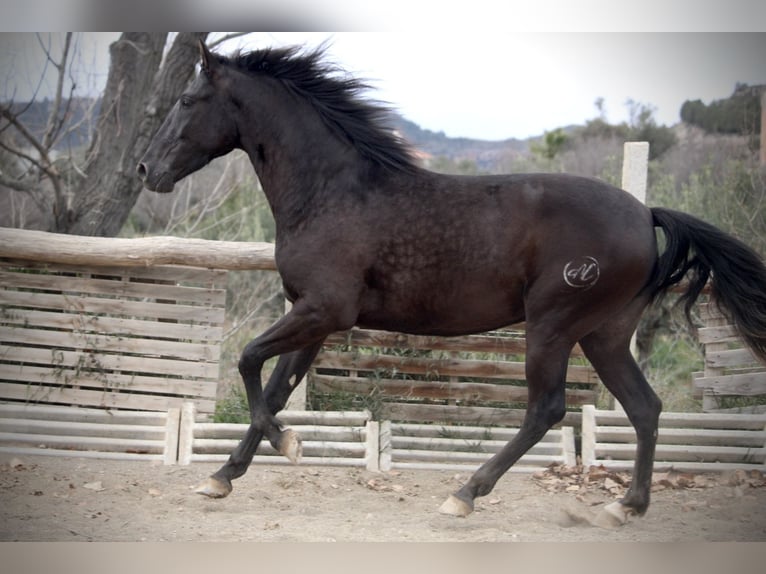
[{"x": 45, "y": 498}]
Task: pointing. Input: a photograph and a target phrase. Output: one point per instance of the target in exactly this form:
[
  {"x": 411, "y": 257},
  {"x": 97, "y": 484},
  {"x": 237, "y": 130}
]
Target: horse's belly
[{"x": 443, "y": 312}]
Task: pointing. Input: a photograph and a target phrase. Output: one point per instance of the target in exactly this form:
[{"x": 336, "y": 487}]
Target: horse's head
[{"x": 199, "y": 128}]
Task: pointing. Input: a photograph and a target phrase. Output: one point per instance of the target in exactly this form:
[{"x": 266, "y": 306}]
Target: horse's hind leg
[
  {"x": 608, "y": 349},
  {"x": 546, "y": 366},
  {"x": 289, "y": 371}
]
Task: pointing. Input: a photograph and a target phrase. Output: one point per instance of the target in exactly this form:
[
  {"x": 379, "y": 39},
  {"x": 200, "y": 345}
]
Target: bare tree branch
[
  {"x": 226, "y": 38},
  {"x": 54, "y": 121}
]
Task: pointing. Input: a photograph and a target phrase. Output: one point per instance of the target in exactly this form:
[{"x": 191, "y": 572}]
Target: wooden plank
[
  {"x": 720, "y": 334},
  {"x": 464, "y": 457},
  {"x": 748, "y": 384},
  {"x": 730, "y": 358},
  {"x": 492, "y": 343},
  {"x": 469, "y": 432},
  {"x": 674, "y": 453},
  {"x": 186, "y": 433},
  {"x": 310, "y": 448},
  {"x": 116, "y": 307},
  {"x": 98, "y": 343},
  {"x": 106, "y": 363},
  {"x": 690, "y": 420},
  {"x": 462, "y": 414},
  {"x": 448, "y": 445},
  {"x": 81, "y": 429},
  {"x": 443, "y": 367},
  {"x": 113, "y": 288},
  {"x": 82, "y": 414},
  {"x": 231, "y": 431},
  {"x": 106, "y": 380},
  {"x": 84, "y": 442},
  {"x": 710, "y": 437},
  {"x": 198, "y": 276},
  {"x": 138, "y": 252},
  {"x": 681, "y": 466},
  {"x": 96, "y": 398},
  {"x": 438, "y": 390},
  {"x": 32, "y": 451},
  {"x": 116, "y": 326}
]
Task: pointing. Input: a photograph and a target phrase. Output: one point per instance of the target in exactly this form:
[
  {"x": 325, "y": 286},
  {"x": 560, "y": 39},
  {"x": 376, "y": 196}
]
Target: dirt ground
[{"x": 76, "y": 499}]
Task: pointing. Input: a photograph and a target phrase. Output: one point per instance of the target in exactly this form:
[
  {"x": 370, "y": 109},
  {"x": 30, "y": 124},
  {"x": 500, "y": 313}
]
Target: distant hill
[{"x": 483, "y": 152}]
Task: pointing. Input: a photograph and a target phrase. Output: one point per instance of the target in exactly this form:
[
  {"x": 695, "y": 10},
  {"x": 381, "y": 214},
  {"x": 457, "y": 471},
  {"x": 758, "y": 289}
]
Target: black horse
[{"x": 364, "y": 236}]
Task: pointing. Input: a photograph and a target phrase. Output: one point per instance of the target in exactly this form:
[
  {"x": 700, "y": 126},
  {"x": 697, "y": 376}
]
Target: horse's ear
[{"x": 206, "y": 56}]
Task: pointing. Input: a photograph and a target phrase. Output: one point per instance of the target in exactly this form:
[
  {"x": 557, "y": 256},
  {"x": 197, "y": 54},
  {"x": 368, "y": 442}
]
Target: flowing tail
[{"x": 738, "y": 283}]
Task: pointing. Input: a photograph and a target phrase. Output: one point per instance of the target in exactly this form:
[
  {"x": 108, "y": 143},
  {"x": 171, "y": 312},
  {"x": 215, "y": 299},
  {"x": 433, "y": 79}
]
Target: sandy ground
[{"x": 75, "y": 499}]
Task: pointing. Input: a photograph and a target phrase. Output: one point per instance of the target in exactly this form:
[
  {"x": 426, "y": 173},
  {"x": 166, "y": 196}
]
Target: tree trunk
[{"x": 138, "y": 95}]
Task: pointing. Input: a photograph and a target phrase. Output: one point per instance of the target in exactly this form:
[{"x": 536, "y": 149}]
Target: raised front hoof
[
  {"x": 290, "y": 445},
  {"x": 214, "y": 488},
  {"x": 613, "y": 515},
  {"x": 455, "y": 506}
]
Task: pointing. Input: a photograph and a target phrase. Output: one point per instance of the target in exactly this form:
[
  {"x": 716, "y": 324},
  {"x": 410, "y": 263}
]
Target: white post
[
  {"x": 635, "y": 166},
  {"x": 297, "y": 399},
  {"x": 635, "y": 172}
]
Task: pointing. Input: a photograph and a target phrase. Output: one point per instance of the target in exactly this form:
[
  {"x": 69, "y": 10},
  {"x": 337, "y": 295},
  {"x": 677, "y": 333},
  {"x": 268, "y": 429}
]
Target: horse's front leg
[{"x": 302, "y": 328}]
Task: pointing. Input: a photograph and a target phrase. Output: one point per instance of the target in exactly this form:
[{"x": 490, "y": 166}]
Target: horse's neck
[{"x": 297, "y": 160}]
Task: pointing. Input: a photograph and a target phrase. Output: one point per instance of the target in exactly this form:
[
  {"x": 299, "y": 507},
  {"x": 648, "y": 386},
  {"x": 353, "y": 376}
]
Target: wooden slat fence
[
  {"x": 687, "y": 442},
  {"x": 329, "y": 438},
  {"x": 731, "y": 370},
  {"x": 85, "y": 432},
  {"x": 477, "y": 379},
  {"x": 416, "y": 446},
  {"x": 112, "y": 337}
]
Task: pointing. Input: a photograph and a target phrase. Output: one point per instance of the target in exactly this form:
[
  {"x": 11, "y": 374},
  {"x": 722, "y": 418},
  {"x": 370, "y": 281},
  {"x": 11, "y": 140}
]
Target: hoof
[
  {"x": 214, "y": 488},
  {"x": 612, "y": 515},
  {"x": 455, "y": 506},
  {"x": 290, "y": 446}
]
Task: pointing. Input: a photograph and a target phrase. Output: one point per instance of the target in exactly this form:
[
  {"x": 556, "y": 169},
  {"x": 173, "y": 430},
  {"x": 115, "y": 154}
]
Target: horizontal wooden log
[{"x": 140, "y": 252}]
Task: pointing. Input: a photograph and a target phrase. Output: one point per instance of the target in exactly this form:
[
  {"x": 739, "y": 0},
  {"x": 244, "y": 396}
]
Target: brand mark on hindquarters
[{"x": 582, "y": 272}]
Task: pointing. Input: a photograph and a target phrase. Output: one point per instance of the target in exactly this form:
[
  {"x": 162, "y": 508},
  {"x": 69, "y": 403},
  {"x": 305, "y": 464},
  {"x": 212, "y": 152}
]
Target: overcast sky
[{"x": 484, "y": 84}]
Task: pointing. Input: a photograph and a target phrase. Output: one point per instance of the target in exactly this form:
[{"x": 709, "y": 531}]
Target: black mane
[{"x": 337, "y": 99}]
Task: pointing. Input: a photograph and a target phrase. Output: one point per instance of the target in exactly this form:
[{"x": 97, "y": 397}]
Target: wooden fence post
[
  {"x": 186, "y": 433},
  {"x": 171, "y": 435}
]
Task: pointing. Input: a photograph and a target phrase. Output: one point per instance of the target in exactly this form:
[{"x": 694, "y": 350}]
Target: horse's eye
[{"x": 186, "y": 102}]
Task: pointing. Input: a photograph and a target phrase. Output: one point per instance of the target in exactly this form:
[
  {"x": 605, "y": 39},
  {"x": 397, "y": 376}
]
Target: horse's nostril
[{"x": 142, "y": 171}]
